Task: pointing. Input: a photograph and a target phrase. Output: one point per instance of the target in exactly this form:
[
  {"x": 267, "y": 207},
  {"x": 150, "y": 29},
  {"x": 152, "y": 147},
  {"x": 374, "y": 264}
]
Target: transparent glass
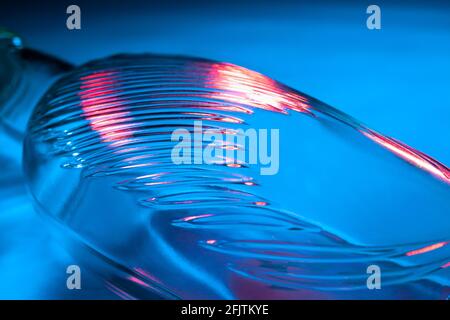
[{"x": 98, "y": 159}]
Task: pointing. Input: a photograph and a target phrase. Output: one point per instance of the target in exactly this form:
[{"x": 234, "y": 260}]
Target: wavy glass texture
[{"x": 98, "y": 160}]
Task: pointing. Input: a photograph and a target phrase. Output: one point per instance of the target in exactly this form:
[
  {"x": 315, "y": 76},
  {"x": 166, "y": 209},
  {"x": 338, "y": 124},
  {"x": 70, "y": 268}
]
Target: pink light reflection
[
  {"x": 103, "y": 108},
  {"x": 427, "y": 248},
  {"x": 239, "y": 85},
  {"x": 138, "y": 281},
  {"x": 411, "y": 155},
  {"x": 145, "y": 274},
  {"x": 190, "y": 218}
]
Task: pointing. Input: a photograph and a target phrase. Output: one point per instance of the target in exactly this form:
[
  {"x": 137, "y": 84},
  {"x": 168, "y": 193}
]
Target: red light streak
[
  {"x": 411, "y": 155},
  {"x": 426, "y": 249}
]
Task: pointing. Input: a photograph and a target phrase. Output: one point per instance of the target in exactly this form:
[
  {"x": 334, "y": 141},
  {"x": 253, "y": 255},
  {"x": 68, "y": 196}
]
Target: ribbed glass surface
[{"x": 98, "y": 159}]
